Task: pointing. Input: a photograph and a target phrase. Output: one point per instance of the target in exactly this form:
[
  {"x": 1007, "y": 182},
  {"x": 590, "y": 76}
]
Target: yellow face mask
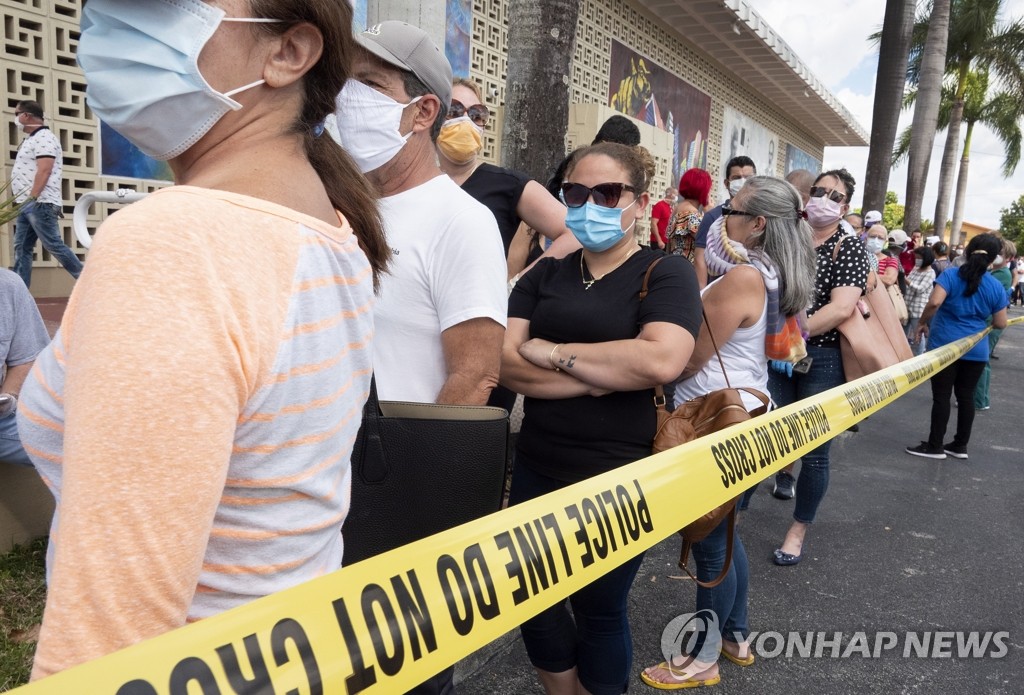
[{"x": 460, "y": 140}]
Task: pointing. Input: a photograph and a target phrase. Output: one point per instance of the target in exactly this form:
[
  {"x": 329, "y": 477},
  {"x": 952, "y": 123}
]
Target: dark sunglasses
[
  {"x": 833, "y": 195},
  {"x": 478, "y": 113},
  {"x": 606, "y": 195},
  {"x": 726, "y": 211}
]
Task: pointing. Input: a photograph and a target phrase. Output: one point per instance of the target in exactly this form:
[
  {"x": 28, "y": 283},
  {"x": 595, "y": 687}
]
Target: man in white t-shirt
[
  {"x": 440, "y": 317},
  {"x": 35, "y": 182}
]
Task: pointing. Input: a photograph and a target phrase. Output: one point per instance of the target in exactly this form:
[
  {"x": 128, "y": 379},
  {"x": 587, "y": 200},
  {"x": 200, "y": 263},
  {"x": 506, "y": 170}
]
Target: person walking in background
[
  {"x": 919, "y": 289},
  {"x": 962, "y": 303},
  {"x": 761, "y": 250},
  {"x": 694, "y": 188},
  {"x": 586, "y": 349},
  {"x": 194, "y": 416},
  {"x": 35, "y": 182}
]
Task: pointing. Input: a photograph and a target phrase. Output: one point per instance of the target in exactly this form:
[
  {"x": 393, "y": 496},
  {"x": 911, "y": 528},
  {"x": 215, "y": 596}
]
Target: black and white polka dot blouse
[{"x": 849, "y": 270}]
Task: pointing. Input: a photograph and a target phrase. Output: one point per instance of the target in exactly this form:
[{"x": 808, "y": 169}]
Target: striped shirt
[{"x": 195, "y": 415}]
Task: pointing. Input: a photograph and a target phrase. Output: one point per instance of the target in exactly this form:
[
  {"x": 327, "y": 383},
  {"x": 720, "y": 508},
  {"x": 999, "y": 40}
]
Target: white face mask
[
  {"x": 17, "y": 122},
  {"x": 368, "y": 124},
  {"x": 918, "y": 262},
  {"x": 874, "y": 244},
  {"x": 141, "y": 63},
  {"x": 735, "y": 185},
  {"x": 998, "y": 260}
]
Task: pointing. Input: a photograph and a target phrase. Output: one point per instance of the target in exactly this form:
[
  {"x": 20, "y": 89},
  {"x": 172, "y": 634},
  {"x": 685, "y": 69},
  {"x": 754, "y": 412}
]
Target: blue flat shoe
[{"x": 785, "y": 559}]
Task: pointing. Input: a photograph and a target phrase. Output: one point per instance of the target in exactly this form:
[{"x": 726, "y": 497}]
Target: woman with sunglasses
[
  {"x": 512, "y": 197},
  {"x": 761, "y": 252},
  {"x": 838, "y": 285},
  {"x": 587, "y": 352}
]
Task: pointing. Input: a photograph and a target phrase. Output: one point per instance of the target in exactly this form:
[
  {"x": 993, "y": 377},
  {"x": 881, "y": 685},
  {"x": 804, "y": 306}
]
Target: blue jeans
[
  {"x": 826, "y": 372},
  {"x": 598, "y": 642},
  {"x": 921, "y": 346},
  {"x": 729, "y": 599},
  {"x": 39, "y": 221},
  {"x": 11, "y": 450}
]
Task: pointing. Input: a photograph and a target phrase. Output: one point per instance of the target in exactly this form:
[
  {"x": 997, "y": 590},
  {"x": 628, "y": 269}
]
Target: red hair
[{"x": 696, "y": 185}]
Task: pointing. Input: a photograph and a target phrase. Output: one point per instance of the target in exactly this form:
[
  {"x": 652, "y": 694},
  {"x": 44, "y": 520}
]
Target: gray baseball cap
[{"x": 409, "y": 48}]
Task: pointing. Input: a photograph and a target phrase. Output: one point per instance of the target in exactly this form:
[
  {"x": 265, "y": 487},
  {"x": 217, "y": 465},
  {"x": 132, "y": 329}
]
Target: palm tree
[
  {"x": 890, "y": 82},
  {"x": 1001, "y": 112},
  {"x": 976, "y": 41},
  {"x": 930, "y": 62},
  {"x": 537, "y": 92}
]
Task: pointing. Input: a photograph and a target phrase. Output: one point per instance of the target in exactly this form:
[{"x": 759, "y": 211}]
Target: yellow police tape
[{"x": 390, "y": 622}]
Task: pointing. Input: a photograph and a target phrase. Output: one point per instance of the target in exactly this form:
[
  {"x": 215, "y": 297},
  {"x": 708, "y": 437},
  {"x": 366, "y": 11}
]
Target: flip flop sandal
[
  {"x": 749, "y": 661},
  {"x": 684, "y": 683}
]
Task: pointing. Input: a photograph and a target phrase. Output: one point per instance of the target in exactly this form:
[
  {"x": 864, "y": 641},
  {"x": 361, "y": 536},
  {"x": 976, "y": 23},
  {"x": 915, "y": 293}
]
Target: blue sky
[{"x": 832, "y": 36}]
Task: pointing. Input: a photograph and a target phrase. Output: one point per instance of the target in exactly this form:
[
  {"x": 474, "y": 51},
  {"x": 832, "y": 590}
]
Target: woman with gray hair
[{"x": 762, "y": 249}]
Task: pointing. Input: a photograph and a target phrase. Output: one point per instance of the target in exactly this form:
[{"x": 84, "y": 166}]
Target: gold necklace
[{"x": 587, "y": 284}]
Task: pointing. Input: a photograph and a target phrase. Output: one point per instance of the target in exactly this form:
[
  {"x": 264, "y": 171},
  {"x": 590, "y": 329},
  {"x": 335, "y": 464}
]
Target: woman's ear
[
  {"x": 641, "y": 203},
  {"x": 293, "y": 54}
]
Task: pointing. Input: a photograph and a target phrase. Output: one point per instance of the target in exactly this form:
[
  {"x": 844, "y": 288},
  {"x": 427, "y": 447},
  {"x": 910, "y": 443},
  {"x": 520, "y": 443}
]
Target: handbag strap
[
  {"x": 714, "y": 344},
  {"x": 647, "y": 276},
  {"x": 659, "y": 392},
  {"x": 684, "y": 556}
]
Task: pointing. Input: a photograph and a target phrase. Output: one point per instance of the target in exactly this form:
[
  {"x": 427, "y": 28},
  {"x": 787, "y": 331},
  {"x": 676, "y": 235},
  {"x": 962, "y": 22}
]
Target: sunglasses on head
[
  {"x": 606, "y": 195},
  {"x": 833, "y": 195},
  {"x": 478, "y": 113}
]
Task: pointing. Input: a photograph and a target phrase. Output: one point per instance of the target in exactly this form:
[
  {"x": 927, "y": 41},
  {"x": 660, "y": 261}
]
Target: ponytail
[
  {"x": 352, "y": 195},
  {"x": 978, "y": 256},
  {"x": 349, "y": 193}
]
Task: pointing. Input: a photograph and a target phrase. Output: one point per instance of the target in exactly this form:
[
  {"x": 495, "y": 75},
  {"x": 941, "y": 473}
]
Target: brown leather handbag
[
  {"x": 696, "y": 418},
  {"x": 871, "y": 338}
]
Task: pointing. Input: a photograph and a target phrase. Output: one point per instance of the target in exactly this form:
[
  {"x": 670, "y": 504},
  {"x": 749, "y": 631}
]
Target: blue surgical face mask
[
  {"x": 874, "y": 244},
  {"x": 142, "y": 74},
  {"x": 596, "y": 227}
]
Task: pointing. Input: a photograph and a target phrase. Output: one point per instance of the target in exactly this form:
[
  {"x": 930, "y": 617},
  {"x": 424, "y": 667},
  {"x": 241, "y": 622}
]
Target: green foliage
[
  {"x": 22, "y": 596},
  {"x": 891, "y": 198},
  {"x": 1011, "y": 221},
  {"x": 8, "y": 208},
  {"x": 892, "y": 216}
]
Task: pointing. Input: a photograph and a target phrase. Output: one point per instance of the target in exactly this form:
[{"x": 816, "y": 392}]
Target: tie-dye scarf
[{"x": 785, "y": 337}]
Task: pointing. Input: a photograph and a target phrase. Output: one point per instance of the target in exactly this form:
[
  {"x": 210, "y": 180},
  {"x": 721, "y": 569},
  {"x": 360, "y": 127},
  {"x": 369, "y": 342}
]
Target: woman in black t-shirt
[{"x": 587, "y": 352}]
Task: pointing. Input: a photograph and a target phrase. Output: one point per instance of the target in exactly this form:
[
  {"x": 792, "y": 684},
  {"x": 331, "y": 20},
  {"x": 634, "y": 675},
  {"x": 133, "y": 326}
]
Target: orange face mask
[{"x": 460, "y": 140}]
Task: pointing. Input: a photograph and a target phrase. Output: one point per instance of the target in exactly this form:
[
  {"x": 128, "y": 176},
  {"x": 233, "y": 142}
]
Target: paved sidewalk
[{"x": 902, "y": 544}]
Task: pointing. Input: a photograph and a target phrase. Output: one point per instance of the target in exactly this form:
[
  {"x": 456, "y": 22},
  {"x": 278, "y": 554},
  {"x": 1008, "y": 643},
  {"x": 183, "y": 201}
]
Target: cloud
[{"x": 833, "y": 41}]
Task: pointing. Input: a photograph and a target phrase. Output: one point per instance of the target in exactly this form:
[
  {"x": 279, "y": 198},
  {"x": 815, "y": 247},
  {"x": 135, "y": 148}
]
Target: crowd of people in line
[{"x": 332, "y": 219}]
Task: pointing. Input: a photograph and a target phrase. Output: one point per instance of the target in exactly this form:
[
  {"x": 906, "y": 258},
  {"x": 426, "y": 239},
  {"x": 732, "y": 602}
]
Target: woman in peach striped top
[{"x": 195, "y": 415}]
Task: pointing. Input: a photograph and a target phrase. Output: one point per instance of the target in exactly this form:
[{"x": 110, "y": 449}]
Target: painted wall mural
[
  {"x": 457, "y": 35},
  {"x": 742, "y": 135},
  {"x": 798, "y": 159},
  {"x": 648, "y": 92}
]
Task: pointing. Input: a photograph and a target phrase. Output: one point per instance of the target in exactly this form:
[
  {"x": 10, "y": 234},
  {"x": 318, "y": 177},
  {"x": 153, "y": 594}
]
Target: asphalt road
[{"x": 901, "y": 545}]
